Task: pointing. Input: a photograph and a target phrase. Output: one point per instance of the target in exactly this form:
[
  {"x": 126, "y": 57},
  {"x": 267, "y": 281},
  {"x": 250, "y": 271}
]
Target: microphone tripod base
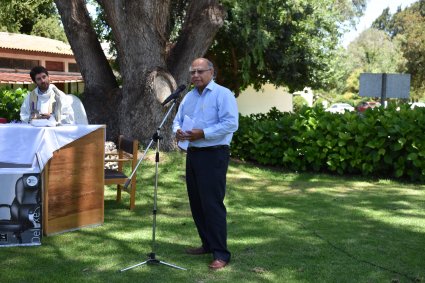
[{"x": 152, "y": 260}]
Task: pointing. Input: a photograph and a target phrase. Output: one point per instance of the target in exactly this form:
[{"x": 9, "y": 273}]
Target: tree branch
[
  {"x": 86, "y": 47},
  {"x": 204, "y": 18}
]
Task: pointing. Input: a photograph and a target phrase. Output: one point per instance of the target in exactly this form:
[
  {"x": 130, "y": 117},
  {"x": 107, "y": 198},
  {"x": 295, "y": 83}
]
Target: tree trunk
[
  {"x": 101, "y": 93},
  {"x": 149, "y": 74}
]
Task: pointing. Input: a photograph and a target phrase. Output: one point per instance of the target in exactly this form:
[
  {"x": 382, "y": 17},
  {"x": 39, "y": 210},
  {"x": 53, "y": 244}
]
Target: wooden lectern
[{"x": 73, "y": 192}]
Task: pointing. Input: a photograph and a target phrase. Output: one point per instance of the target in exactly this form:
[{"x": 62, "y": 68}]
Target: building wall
[
  {"x": 53, "y": 62},
  {"x": 42, "y": 58},
  {"x": 252, "y": 102}
]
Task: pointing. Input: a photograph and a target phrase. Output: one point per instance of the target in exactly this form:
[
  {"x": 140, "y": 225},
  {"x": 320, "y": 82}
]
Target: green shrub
[
  {"x": 380, "y": 142},
  {"x": 298, "y": 103},
  {"x": 11, "y": 101}
]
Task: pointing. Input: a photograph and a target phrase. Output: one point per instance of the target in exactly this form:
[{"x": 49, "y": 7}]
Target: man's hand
[
  {"x": 45, "y": 116},
  {"x": 180, "y": 135},
  {"x": 40, "y": 116},
  {"x": 193, "y": 135}
]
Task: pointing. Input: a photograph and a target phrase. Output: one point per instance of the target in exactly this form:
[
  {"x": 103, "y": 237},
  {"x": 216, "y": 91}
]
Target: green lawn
[{"x": 282, "y": 227}]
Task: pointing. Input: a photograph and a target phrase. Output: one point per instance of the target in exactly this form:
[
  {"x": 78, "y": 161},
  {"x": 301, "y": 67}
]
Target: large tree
[
  {"x": 149, "y": 65},
  {"x": 407, "y": 27},
  {"x": 285, "y": 42},
  {"x": 410, "y": 24},
  {"x": 372, "y": 51}
]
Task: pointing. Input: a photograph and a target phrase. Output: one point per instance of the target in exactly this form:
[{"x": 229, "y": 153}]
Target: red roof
[{"x": 24, "y": 78}]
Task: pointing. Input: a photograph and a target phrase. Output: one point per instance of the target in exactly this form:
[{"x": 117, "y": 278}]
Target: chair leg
[
  {"x": 119, "y": 189},
  {"x": 132, "y": 198},
  {"x": 133, "y": 194}
]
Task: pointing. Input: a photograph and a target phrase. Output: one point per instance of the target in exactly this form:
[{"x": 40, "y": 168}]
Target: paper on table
[
  {"x": 51, "y": 122},
  {"x": 187, "y": 126}
]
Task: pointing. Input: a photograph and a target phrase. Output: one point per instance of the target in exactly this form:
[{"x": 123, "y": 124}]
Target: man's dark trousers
[{"x": 206, "y": 170}]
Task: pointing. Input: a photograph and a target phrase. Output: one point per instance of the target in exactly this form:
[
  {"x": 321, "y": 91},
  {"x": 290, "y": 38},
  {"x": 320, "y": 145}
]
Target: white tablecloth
[{"x": 23, "y": 144}]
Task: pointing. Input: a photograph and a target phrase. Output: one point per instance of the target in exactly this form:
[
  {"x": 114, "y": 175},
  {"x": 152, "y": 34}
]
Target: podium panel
[
  {"x": 74, "y": 185},
  {"x": 20, "y": 209}
]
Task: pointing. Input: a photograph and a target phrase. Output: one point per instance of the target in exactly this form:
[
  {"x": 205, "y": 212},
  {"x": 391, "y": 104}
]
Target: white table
[
  {"x": 26, "y": 146},
  {"x": 71, "y": 160}
]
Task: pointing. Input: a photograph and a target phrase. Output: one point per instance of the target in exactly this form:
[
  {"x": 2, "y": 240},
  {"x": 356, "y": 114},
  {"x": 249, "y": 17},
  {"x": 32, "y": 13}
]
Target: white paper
[
  {"x": 186, "y": 126},
  {"x": 51, "y": 122}
]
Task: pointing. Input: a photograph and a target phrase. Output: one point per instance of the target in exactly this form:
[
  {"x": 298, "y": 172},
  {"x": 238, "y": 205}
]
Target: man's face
[
  {"x": 200, "y": 73},
  {"x": 42, "y": 81}
]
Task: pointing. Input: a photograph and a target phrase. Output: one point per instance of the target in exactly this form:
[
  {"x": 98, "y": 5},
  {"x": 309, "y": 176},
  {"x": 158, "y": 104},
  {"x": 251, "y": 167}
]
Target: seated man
[{"x": 46, "y": 100}]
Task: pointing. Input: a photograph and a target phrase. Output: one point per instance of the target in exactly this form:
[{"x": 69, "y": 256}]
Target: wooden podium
[{"x": 73, "y": 192}]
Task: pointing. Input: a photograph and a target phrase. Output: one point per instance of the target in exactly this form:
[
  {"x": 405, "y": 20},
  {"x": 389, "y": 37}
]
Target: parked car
[
  {"x": 417, "y": 104},
  {"x": 340, "y": 108},
  {"x": 365, "y": 105}
]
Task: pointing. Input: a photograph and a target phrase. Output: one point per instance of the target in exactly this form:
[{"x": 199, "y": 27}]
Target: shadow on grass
[{"x": 351, "y": 230}]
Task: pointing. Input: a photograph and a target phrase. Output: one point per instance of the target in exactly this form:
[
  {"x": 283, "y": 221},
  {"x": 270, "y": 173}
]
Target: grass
[{"x": 282, "y": 227}]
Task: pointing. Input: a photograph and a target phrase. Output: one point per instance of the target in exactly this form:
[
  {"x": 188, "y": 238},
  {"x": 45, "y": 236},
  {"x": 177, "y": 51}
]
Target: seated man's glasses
[{"x": 200, "y": 72}]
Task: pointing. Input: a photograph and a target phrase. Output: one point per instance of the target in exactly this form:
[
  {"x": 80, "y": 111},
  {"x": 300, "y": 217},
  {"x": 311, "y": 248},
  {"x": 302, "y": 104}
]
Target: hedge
[
  {"x": 385, "y": 142},
  {"x": 11, "y": 101}
]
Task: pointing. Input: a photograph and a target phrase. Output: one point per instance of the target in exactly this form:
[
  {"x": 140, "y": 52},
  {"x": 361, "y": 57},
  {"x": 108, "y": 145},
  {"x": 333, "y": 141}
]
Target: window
[
  {"x": 12, "y": 63},
  {"x": 55, "y": 66},
  {"x": 73, "y": 67}
]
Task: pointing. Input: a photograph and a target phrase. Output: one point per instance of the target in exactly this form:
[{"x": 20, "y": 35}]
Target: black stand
[{"x": 155, "y": 138}]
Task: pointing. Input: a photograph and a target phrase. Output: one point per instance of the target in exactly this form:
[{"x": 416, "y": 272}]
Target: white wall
[{"x": 252, "y": 102}]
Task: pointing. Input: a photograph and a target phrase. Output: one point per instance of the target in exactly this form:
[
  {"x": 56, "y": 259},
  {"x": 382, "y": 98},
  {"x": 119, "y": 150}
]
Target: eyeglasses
[{"x": 200, "y": 72}]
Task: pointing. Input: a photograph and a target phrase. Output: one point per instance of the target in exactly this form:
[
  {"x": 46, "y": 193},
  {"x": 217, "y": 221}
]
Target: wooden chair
[{"x": 127, "y": 150}]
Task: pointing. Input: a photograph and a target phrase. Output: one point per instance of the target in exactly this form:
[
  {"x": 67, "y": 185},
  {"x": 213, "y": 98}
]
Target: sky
[{"x": 374, "y": 10}]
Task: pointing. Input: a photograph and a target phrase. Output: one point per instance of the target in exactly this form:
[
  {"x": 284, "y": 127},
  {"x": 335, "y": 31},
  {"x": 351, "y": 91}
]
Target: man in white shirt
[
  {"x": 214, "y": 111},
  {"x": 46, "y": 100}
]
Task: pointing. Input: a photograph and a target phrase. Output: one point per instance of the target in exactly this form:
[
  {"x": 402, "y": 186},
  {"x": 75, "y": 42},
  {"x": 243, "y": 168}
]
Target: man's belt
[{"x": 207, "y": 148}]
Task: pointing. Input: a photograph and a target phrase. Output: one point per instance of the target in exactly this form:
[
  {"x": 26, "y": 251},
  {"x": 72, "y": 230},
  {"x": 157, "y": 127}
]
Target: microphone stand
[{"x": 155, "y": 138}]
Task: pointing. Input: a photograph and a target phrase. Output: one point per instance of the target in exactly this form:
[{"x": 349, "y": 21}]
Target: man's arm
[{"x": 228, "y": 117}]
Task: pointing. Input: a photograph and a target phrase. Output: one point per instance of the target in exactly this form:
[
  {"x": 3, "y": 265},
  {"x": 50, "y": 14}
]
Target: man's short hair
[
  {"x": 210, "y": 64},
  {"x": 38, "y": 70}
]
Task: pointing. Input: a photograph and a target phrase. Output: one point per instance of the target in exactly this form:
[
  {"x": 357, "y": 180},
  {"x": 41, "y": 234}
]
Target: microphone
[{"x": 174, "y": 95}]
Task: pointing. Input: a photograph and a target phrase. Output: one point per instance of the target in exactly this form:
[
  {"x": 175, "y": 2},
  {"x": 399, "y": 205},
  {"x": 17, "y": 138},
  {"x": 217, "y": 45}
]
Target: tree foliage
[
  {"x": 283, "y": 42},
  {"x": 407, "y": 26},
  {"x": 411, "y": 25},
  {"x": 36, "y": 17},
  {"x": 385, "y": 22},
  {"x": 374, "y": 52}
]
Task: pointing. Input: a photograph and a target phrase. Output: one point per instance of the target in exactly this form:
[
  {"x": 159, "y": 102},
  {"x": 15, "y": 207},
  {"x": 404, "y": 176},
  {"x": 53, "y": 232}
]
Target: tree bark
[{"x": 138, "y": 28}]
